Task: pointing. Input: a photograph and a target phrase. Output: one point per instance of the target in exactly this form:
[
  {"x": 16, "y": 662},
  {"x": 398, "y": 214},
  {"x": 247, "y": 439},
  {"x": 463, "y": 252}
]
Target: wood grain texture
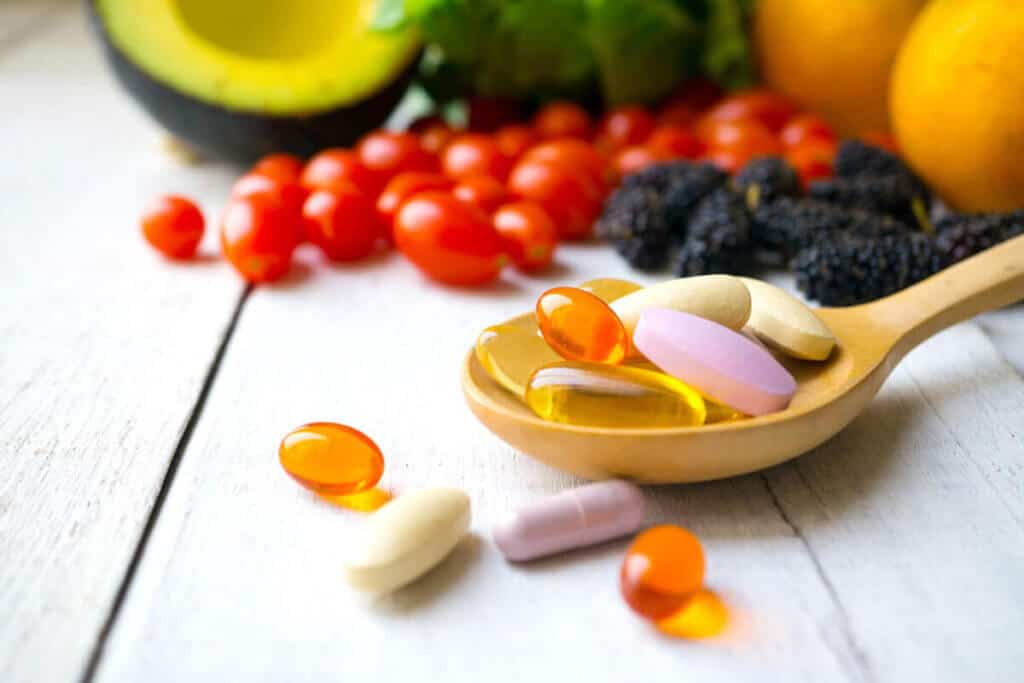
[
  {"x": 835, "y": 568},
  {"x": 103, "y": 345}
]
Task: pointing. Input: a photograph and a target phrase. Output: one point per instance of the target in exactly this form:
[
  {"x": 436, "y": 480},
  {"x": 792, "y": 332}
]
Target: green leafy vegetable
[{"x": 628, "y": 50}]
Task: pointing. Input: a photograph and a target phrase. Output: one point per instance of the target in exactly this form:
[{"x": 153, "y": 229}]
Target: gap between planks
[{"x": 96, "y": 656}]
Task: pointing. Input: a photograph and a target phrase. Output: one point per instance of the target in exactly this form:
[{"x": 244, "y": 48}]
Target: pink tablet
[{"x": 724, "y": 365}]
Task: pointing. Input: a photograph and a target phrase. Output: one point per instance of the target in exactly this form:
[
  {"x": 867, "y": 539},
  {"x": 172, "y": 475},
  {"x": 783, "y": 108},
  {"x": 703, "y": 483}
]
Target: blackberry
[
  {"x": 789, "y": 225},
  {"x": 896, "y": 195},
  {"x": 766, "y": 179},
  {"x": 633, "y": 222},
  {"x": 718, "y": 239},
  {"x": 688, "y": 188},
  {"x": 960, "y": 236},
  {"x": 855, "y": 158},
  {"x": 847, "y": 270},
  {"x": 659, "y": 177}
]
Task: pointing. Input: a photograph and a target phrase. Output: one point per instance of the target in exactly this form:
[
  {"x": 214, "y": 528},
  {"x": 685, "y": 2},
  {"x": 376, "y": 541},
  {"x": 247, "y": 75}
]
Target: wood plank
[
  {"x": 1005, "y": 328},
  {"x": 242, "y": 560},
  {"x": 20, "y": 20},
  {"x": 103, "y": 345}
]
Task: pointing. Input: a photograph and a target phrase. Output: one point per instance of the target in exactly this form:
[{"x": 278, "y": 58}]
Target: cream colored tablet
[
  {"x": 721, "y": 298},
  {"x": 406, "y": 538},
  {"x": 784, "y": 322}
]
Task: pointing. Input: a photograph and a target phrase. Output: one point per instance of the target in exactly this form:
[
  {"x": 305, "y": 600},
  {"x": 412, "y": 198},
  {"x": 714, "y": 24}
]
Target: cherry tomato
[
  {"x": 806, "y": 127},
  {"x": 744, "y": 139},
  {"x": 285, "y": 168},
  {"x": 474, "y": 154},
  {"x": 334, "y": 168},
  {"x": 727, "y": 160},
  {"x": 572, "y": 198},
  {"x": 697, "y": 93},
  {"x": 632, "y": 159},
  {"x": 574, "y": 154},
  {"x": 563, "y": 120},
  {"x": 625, "y": 126},
  {"x": 673, "y": 142},
  {"x": 387, "y": 153},
  {"x": 450, "y": 241},
  {"x": 290, "y": 194},
  {"x": 403, "y": 186},
  {"x": 487, "y": 114},
  {"x": 881, "y": 139},
  {"x": 515, "y": 139},
  {"x": 343, "y": 223},
  {"x": 434, "y": 133},
  {"x": 530, "y": 232},
  {"x": 173, "y": 225},
  {"x": 812, "y": 159},
  {"x": 678, "y": 114},
  {"x": 482, "y": 191},
  {"x": 257, "y": 237},
  {"x": 771, "y": 109}
]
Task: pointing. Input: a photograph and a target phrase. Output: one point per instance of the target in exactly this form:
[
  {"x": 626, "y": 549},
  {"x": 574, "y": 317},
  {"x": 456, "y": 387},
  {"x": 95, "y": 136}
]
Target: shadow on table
[{"x": 436, "y": 583}]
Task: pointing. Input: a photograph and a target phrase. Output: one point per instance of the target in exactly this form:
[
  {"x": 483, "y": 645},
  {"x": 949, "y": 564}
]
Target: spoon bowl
[{"x": 871, "y": 340}]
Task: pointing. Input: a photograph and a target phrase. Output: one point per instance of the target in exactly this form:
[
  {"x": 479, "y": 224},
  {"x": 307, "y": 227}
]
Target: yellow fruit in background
[
  {"x": 958, "y": 101},
  {"x": 834, "y": 57}
]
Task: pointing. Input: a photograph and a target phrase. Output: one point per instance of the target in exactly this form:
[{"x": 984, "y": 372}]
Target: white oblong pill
[
  {"x": 784, "y": 322},
  {"x": 721, "y": 298},
  {"x": 406, "y": 538}
]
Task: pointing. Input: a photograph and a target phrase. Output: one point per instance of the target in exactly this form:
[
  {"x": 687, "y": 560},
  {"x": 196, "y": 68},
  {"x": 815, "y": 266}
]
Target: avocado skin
[{"x": 244, "y": 137}]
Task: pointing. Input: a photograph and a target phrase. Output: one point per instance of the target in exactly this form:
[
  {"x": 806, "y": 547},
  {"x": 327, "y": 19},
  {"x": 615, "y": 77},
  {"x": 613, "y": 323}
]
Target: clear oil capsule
[
  {"x": 510, "y": 352},
  {"x": 599, "y": 395}
]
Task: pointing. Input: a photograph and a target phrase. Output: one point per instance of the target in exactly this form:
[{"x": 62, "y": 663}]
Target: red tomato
[
  {"x": 673, "y": 142},
  {"x": 563, "y": 120},
  {"x": 343, "y": 223},
  {"x": 632, "y": 159},
  {"x": 403, "y": 186},
  {"x": 574, "y": 154},
  {"x": 474, "y": 154},
  {"x": 434, "y": 133},
  {"x": 812, "y": 159},
  {"x": 770, "y": 109},
  {"x": 729, "y": 161},
  {"x": 334, "y": 168},
  {"x": 173, "y": 226},
  {"x": 881, "y": 139},
  {"x": 744, "y": 140},
  {"x": 285, "y": 168},
  {"x": 290, "y": 194},
  {"x": 625, "y": 126},
  {"x": 678, "y": 114},
  {"x": 515, "y": 139},
  {"x": 257, "y": 237},
  {"x": 572, "y": 198},
  {"x": 530, "y": 233},
  {"x": 806, "y": 127},
  {"x": 386, "y": 154},
  {"x": 450, "y": 241},
  {"x": 482, "y": 191},
  {"x": 486, "y": 114},
  {"x": 697, "y": 93}
]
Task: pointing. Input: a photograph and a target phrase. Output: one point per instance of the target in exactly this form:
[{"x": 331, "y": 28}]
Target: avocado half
[{"x": 242, "y": 78}]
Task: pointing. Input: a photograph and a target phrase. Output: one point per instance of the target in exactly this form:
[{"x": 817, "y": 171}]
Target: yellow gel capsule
[
  {"x": 716, "y": 412},
  {"x": 609, "y": 288},
  {"x": 509, "y": 354},
  {"x": 599, "y": 395}
]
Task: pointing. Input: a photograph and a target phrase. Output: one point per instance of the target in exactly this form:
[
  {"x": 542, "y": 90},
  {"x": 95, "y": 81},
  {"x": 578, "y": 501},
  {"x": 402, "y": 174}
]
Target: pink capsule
[{"x": 571, "y": 519}]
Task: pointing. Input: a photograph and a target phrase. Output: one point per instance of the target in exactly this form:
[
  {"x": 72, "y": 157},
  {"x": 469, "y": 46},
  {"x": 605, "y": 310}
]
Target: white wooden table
[{"x": 147, "y": 532}]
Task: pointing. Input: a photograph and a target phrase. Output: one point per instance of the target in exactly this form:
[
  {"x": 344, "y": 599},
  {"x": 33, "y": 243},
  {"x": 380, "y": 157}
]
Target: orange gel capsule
[
  {"x": 662, "y": 570},
  {"x": 330, "y": 458},
  {"x": 580, "y": 326}
]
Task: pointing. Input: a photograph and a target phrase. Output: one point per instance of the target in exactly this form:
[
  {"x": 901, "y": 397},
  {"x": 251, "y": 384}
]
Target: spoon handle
[{"x": 989, "y": 280}]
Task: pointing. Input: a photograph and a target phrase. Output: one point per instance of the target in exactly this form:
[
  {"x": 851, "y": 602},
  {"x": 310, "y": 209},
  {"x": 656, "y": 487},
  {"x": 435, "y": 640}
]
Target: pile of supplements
[
  {"x": 661, "y": 576},
  {"x": 868, "y": 232},
  {"x": 461, "y": 203},
  {"x": 682, "y": 353}
]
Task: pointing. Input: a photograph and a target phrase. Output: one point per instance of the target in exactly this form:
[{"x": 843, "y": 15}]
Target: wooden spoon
[{"x": 872, "y": 337}]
